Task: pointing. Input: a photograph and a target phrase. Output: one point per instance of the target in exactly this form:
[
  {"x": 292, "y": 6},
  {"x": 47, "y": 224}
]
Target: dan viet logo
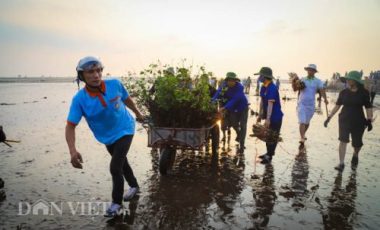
[{"x": 44, "y": 208}]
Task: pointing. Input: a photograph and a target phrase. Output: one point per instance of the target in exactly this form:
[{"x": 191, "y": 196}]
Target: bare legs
[
  {"x": 303, "y": 130},
  {"x": 342, "y": 154}
]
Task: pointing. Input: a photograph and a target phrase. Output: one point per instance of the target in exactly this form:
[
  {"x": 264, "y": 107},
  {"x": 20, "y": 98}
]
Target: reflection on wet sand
[
  {"x": 231, "y": 173},
  {"x": 341, "y": 210},
  {"x": 127, "y": 219},
  {"x": 264, "y": 195},
  {"x": 298, "y": 190},
  {"x": 226, "y": 144},
  {"x": 300, "y": 175},
  {"x": 182, "y": 199}
]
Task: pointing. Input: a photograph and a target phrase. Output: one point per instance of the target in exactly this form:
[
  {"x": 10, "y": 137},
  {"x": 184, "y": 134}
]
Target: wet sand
[{"x": 299, "y": 190}]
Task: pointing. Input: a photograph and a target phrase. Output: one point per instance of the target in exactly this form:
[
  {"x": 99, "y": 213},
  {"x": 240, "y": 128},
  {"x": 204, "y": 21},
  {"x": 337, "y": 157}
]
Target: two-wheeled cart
[{"x": 169, "y": 140}]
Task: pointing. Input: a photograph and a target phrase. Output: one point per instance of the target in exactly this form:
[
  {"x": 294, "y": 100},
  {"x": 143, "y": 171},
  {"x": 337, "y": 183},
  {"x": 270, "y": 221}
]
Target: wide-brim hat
[
  {"x": 312, "y": 67},
  {"x": 231, "y": 76},
  {"x": 266, "y": 72},
  {"x": 353, "y": 75}
]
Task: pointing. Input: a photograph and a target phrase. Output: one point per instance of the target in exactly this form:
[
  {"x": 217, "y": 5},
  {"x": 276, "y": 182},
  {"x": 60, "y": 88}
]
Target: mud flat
[{"x": 300, "y": 190}]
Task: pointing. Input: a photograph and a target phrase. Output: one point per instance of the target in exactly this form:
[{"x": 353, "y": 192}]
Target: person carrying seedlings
[
  {"x": 102, "y": 103},
  {"x": 306, "y": 99},
  {"x": 236, "y": 105},
  {"x": 270, "y": 109},
  {"x": 352, "y": 119}
]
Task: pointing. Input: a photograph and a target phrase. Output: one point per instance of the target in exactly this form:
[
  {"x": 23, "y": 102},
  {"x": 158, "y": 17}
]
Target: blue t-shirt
[
  {"x": 271, "y": 93},
  {"x": 236, "y": 99},
  {"x": 106, "y": 115}
]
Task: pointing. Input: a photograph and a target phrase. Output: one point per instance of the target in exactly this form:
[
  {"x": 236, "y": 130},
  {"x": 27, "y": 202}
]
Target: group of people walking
[
  {"x": 103, "y": 103},
  {"x": 352, "y": 120}
]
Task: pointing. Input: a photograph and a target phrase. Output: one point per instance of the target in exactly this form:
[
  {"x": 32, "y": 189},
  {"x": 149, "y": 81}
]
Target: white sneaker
[
  {"x": 113, "y": 210},
  {"x": 131, "y": 193}
]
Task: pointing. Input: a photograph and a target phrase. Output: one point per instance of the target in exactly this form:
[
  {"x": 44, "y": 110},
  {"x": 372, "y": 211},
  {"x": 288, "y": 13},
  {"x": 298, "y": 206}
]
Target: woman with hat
[
  {"x": 236, "y": 104},
  {"x": 306, "y": 99},
  {"x": 270, "y": 109},
  {"x": 352, "y": 119}
]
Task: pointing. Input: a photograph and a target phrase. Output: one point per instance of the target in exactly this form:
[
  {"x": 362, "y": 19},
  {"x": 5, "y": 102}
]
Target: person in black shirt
[{"x": 352, "y": 119}]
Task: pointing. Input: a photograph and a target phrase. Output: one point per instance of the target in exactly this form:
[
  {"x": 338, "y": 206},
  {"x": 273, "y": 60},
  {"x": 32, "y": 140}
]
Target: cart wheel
[
  {"x": 166, "y": 159},
  {"x": 215, "y": 140}
]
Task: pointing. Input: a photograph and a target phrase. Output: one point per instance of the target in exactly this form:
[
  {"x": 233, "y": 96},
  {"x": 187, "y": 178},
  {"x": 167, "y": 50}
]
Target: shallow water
[{"x": 299, "y": 190}]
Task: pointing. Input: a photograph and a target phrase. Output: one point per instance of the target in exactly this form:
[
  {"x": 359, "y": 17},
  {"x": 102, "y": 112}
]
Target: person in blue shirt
[
  {"x": 270, "y": 109},
  {"x": 102, "y": 104},
  {"x": 236, "y": 104}
]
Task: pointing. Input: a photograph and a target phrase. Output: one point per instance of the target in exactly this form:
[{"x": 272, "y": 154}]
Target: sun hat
[
  {"x": 355, "y": 76},
  {"x": 231, "y": 76},
  {"x": 311, "y": 66},
  {"x": 266, "y": 72}
]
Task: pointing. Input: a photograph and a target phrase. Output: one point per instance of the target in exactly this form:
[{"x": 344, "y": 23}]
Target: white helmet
[{"x": 87, "y": 63}]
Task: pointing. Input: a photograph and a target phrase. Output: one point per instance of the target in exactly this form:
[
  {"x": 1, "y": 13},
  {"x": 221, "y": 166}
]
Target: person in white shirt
[{"x": 306, "y": 100}]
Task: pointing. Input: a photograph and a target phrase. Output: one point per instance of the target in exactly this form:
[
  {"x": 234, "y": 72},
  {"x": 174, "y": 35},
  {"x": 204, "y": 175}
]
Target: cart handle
[{"x": 146, "y": 123}]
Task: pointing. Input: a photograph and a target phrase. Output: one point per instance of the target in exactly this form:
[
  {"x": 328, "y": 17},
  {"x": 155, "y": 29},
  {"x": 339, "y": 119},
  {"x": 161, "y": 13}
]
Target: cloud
[
  {"x": 277, "y": 28},
  {"x": 299, "y": 31}
]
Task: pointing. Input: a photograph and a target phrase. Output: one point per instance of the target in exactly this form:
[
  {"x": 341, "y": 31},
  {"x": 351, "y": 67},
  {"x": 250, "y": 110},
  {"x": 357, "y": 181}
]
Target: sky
[{"x": 48, "y": 37}]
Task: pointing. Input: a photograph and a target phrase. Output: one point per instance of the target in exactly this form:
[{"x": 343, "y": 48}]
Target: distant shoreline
[
  {"x": 54, "y": 79},
  {"x": 37, "y": 79}
]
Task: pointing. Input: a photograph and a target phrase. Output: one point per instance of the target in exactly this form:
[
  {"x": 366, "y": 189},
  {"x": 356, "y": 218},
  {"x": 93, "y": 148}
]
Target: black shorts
[{"x": 356, "y": 131}]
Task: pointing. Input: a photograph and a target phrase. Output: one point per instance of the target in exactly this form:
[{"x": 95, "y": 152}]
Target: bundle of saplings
[
  {"x": 265, "y": 134},
  {"x": 174, "y": 96}
]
